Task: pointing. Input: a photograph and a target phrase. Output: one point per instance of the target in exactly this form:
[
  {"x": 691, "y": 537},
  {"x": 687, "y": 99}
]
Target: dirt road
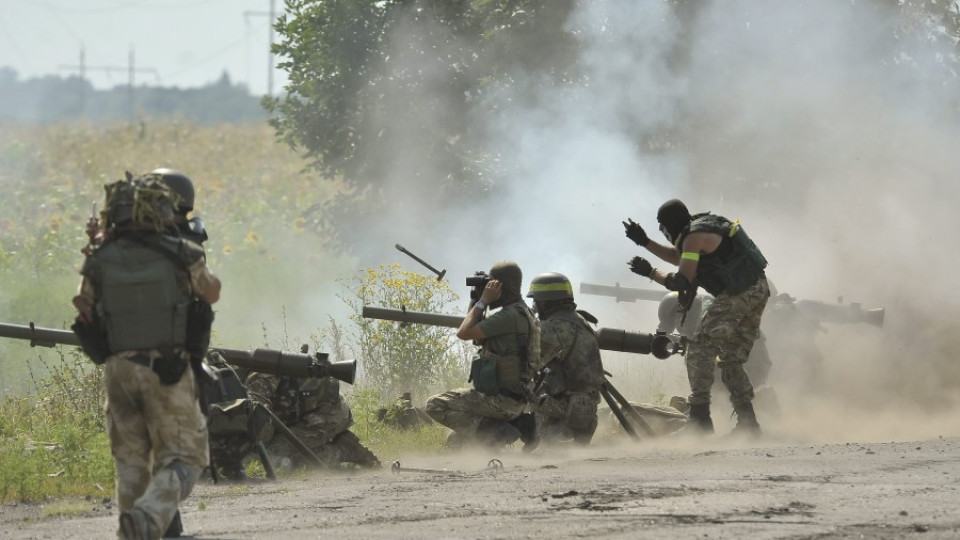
[{"x": 824, "y": 491}]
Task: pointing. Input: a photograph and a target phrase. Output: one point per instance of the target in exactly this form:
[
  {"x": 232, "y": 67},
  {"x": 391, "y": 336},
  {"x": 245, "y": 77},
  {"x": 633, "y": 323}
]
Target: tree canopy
[{"x": 380, "y": 88}]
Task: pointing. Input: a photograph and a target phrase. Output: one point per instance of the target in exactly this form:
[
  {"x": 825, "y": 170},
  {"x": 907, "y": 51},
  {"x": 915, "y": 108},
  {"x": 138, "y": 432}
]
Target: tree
[
  {"x": 398, "y": 358},
  {"x": 369, "y": 78}
]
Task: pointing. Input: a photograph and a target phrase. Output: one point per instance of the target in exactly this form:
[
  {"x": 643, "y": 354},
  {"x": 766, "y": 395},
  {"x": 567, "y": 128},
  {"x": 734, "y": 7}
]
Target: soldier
[
  {"x": 492, "y": 413},
  {"x": 401, "y": 414},
  {"x": 132, "y": 304},
  {"x": 569, "y": 388},
  {"x": 236, "y": 423},
  {"x": 316, "y": 413},
  {"x": 714, "y": 253}
]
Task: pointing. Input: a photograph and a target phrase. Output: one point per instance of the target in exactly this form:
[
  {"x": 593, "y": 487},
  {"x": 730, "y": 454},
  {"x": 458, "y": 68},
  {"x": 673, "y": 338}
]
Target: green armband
[{"x": 690, "y": 256}]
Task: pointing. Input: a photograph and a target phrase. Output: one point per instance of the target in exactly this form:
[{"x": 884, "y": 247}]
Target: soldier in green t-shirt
[{"x": 493, "y": 412}]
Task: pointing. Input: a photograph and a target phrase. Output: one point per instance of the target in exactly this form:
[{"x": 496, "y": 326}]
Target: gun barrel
[
  {"x": 622, "y": 294},
  {"x": 610, "y": 339},
  {"x": 38, "y": 336},
  {"x": 289, "y": 364},
  {"x": 415, "y": 317},
  {"x": 840, "y": 313},
  {"x": 615, "y": 339}
]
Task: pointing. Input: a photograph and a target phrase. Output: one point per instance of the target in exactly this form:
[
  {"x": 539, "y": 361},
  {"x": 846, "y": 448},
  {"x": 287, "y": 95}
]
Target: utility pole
[
  {"x": 83, "y": 75},
  {"x": 130, "y": 69},
  {"x": 273, "y": 16}
]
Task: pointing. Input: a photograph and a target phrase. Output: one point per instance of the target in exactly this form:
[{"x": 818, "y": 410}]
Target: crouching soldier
[{"x": 569, "y": 387}]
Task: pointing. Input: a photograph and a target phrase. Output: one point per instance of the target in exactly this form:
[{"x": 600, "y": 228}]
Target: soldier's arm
[
  {"x": 203, "y": 283},
  {"x": 206, "y": 285},
  {"x": 85, "y": 299},
  {"x": 469, "y": 328},
  {"x": 694, "y": 245},
  {"x": 664, "y": 252},
  {"x": 550, "y": 345},
  {"x": 262, "y": 387}
]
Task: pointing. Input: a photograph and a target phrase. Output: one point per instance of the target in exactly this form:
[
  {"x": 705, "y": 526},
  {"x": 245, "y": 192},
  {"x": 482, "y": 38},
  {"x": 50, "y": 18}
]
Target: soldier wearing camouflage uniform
[
  {"x": 316, "y": 413},
  {"x": 401, "y": 414},
  {"x": 569, "y": 388},
  {"x": 494, "y": 414},
  {"x": 135, "y": 290},
  {"x": 714, "y": 253}
]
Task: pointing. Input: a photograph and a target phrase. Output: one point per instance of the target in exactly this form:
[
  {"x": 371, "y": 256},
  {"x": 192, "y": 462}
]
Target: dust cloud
[{"x": 831, "y": 141}]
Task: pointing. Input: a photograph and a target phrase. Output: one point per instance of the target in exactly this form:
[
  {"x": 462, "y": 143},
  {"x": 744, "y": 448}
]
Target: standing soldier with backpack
[{"x": 133, "y": 318}]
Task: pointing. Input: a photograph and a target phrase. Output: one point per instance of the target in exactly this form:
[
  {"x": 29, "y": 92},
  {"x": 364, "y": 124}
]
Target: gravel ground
[{"x": 661, "y": 489}]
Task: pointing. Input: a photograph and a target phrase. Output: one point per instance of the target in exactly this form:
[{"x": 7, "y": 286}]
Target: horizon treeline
[{"x": 52, "y": 98}]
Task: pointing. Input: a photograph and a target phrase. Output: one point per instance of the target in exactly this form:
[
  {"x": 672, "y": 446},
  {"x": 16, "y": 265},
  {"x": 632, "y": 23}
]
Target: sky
[{"x": 182, "y": 43}]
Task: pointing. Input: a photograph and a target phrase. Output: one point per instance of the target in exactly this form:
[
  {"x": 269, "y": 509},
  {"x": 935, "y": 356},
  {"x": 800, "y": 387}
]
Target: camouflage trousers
[
  {"x": 158, "y": 438},
  {"x": 729, "y": 326},
  {"x": 462, "y": 409},
  {"x": 568, "y": 416},
  {"x": 326, "y": 432}
]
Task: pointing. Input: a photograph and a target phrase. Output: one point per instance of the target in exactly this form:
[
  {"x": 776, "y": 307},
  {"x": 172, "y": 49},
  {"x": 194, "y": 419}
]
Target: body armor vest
[
  {"x": 735, "y": 265},
  {"x": 494, "y": 374},
  {"x": 141, "y": 304},
  {"x": 581, "y": 366}
]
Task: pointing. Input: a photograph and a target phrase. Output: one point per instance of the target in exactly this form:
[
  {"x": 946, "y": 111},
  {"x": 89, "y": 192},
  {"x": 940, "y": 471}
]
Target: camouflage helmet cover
[
  {"x": 550, "y": 286},
  {"x": 180, "y": 184}
]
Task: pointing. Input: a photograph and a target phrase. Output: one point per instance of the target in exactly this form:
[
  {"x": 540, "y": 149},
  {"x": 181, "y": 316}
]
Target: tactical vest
[
  {"x": 141, "y": 304},
  {"x": 494, "y": 374},
  {"x": 234, "y": 421},
  {"x": 582, "y": 367},
  {"x": 735, "y": 265},
  {"x": 296, "y": 397}
]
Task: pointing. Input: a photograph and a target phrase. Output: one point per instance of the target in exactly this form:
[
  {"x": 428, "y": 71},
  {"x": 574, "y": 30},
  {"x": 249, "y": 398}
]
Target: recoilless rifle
[
  {"x": 612, "y": 339},
  {"x": 225, "y": 382},
  {"x": 820, "y": 312}
]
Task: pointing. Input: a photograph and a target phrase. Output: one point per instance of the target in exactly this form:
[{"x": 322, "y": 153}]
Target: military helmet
[
  {"x": 550, "y": 286},
  {"x": 180, "y": 184}
]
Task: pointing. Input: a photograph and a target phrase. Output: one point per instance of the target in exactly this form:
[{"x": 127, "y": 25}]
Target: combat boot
[
  {"x": 354, "y": 451},
  {"x": 175, "y": 528},
  {"x": 134, "y": 525},
  {"x": 698, "y": 422},
  {"x": 746, "y": 420},
  {"x": 496, "y": 433},
  {"x": 529, "y": 429}
]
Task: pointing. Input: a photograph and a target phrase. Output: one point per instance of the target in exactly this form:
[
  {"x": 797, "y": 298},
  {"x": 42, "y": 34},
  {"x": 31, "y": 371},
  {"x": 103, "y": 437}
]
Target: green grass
[
  {"x": 387, "y": 442},
  {"x": 53, "y": 442}
]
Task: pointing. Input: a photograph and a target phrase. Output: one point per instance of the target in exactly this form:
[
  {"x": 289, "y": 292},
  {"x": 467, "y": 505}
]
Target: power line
[
  {"x": 130, "y": 68},
  {"x": 211, "y": 56}
]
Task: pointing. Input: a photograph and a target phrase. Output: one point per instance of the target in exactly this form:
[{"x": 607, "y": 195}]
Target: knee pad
[{"x": 435, "y": 407}]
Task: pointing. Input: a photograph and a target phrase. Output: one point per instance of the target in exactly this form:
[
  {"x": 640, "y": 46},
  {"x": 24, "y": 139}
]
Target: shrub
[{"x": 398, "y": 358}]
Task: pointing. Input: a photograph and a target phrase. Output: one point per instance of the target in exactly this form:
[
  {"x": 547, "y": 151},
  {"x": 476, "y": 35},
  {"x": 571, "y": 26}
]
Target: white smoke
[{"x": 831, "y": 142}]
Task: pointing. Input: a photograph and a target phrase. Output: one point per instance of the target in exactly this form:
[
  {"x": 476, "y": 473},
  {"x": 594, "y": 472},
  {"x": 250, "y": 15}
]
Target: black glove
[
  {"x": 640, "y": 266},
  {"x": 636, "y": 233}
]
